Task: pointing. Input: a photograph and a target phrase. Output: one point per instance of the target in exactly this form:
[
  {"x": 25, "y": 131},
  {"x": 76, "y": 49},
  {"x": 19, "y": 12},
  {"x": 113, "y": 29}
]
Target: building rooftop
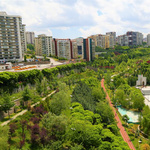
[{"x": 3, "y": 13}]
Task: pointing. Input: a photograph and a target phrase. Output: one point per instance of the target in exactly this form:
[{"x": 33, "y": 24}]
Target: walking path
[
  {"x": 24, "y": 111},
  {"x": 119, "y": 124}
]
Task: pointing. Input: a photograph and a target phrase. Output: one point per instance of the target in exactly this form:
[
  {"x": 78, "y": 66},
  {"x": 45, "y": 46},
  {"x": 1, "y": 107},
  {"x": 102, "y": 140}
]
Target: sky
[{"x": 80, "y": 18}]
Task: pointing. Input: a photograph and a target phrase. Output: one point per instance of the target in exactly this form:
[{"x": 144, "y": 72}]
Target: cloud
[{"x": 86, "y": 16}]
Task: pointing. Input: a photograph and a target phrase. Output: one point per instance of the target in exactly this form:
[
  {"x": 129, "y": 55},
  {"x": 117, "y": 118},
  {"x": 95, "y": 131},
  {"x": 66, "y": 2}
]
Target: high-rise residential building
[
  {"x": 30, "y": 37},
  {"x": 148, "y": 39},
  {"x": 139, "y": 38},
  {"x": 74, "y": 49},
  {"x": 134, "y": 38},
  {"x": 23, "y": 38},
  {"x": 12, "y": 38},
  {"x": 104, "y": 41},
  {"x": 43, "y": 45},
  {"x": 63, "y": 48},
  {"x": 80, "y": 50},
  {"x": 89, "y": 49},
  {"x": 94, "y": 38},
  {"x": 100, "y": 40},
  {"x": 71, "y": 49},
  {"x": 122, "y": 40},
  {"x": 112, "y": 34}
]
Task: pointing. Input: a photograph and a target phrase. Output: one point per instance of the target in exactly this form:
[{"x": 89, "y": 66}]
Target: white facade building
[
  {"x": 141, "y": 81},
  {"x": 12, "y": 38}
]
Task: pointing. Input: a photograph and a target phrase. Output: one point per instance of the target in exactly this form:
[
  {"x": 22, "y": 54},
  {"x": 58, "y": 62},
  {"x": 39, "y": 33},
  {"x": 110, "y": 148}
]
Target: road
[
  {"x": 52, "y": 60},
  {"x": 119, "y": 124},
  {"x": 24, "y": 111},
  {"x": 52, "y": 64}
]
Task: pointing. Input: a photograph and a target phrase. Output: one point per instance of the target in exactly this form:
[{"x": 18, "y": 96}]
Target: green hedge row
[{"x": 9, "y": 80}]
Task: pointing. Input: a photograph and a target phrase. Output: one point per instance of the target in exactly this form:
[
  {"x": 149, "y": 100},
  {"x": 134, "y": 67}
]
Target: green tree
[
  {"x": 4, "y": 131},
  {"x": 120, "y": 97},
  {"x": 6, "y": 104},
  {"x": 100, "y": 74},
  {"x": 44, "y": 84},
  {"x": 26, "y": 95},
  {"x": 108, "y": 78},
  {"x": 98, "y": 94},
  {"x": 137, "y": 98},
  {"x": 83, "y": 94},
  {"x": 60, "y": 102},
  {"x": 125, "y": 118},
  {"x": 44, "y": 56},
  {"x": 30, "y": 46},
  {"x": 39, "y": 87},
  {"x": 105, "y": 112},
  {"x": 55, "y": 125},
  {"x": 25, "y": 58},
  {"x": 146, "y": 120}
]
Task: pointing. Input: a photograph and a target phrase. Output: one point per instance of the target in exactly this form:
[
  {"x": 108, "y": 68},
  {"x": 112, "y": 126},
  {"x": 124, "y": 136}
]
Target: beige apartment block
[
  {"x": 12, "y": 38},
  {"x": 148, "y": 39},
  {"x": 94, "y": 38},
  {"x": 74, "y": 49},
  {"x": 113, "y": 35},
  {"x": 43, "y": 45},
  {"x": 104, "y": 41}
]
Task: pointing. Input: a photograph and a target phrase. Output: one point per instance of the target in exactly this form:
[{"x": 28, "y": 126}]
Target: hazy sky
[{"x": 76, "y": 18}]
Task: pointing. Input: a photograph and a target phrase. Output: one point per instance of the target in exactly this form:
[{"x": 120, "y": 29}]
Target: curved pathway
[{"x": 119, "y": 124}]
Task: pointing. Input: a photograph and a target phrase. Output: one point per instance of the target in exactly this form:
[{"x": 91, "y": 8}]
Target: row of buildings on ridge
[
  {"x": 66, "y": 48},
  {"x": 109, "y": 40},
  {"x": 14, "y": 40}
]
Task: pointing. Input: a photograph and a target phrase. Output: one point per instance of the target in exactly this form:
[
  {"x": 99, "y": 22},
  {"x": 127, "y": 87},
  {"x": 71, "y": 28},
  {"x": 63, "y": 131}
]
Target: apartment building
[
  {"x": 94, "y": 38},
  {"x": 71, "y": 49},
  {"x": 80, "y": 50},
  {"x": 100, "y": 40},
  {"x": 89, "y": 49},
  {"x": 148, "y": 39},
  {"x": 12, "y": 38},
  {"x": 113, "y": 34},
  {"x": 66, "y": 48},
  {"x": 74, "y": 49},
  {"x": 122, "y": 40},
  {"x": 139, "y": 38},
  {"x": 30, "y": 37},
  {"x": 63, "y": 48},
  {"x": 134, "y": 38},
  {"x": 104, "y": 41},
  {"x": 43, "y": 45}
]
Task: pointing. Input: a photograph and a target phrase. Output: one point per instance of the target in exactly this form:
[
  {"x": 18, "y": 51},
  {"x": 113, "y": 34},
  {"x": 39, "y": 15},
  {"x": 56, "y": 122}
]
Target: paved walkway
[
  {"x": 24, "y": 111},
  {"x": 119, "y": 124}
]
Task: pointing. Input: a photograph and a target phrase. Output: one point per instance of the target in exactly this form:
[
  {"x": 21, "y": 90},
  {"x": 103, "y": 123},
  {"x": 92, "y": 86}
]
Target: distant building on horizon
[
  {"x": 134, "y": 38},
  {"x": 148, "y": 39},
  {"x": 30, "y": 37},
  {"x": 113, "y": 34},
  {"x": 104, "y": 41},
  {"x": 131, "y": 38},
  {"x": 122, "y": 40},
  {"x": 43, "y": 45},
  {"x": 12, "y": 38}
]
